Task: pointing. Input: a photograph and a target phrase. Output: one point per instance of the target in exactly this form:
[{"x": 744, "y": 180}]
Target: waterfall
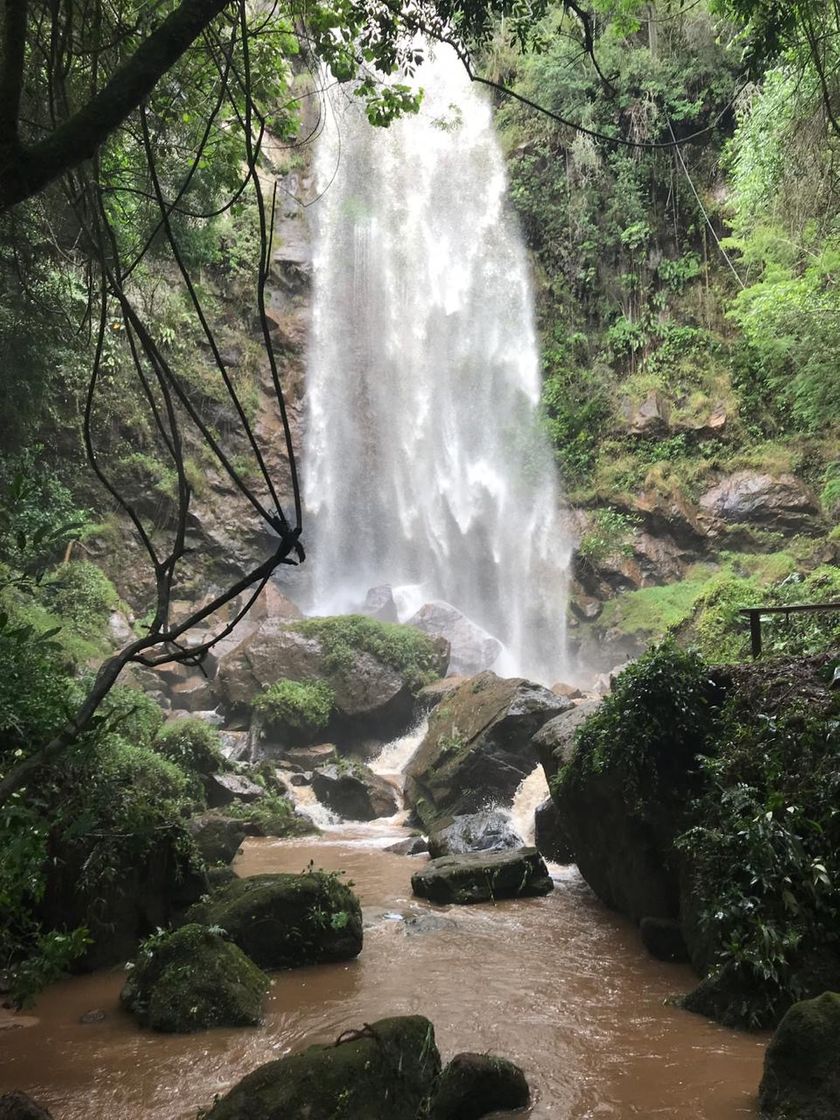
[{"x": 425, "y": 467}]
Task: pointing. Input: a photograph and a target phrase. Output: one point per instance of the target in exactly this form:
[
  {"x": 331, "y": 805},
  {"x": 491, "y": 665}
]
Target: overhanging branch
[{"x": 25, "y": 171}]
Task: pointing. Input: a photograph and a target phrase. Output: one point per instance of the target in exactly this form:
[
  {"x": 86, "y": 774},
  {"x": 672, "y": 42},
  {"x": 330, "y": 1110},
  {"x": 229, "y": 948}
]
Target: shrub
[
  {"x": 272, "y": 815},
  {"x": 81, "y": 594},
  {"x": 193, "y": 745},
  {"x": 304, "y": 706},
  {"x": 657, "y": 720},
  {"x": 609, "y": 536},
  {"x": 764, "y": 852}
]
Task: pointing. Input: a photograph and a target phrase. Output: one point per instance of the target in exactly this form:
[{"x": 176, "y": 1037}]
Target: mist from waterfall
[{"x": 425, "y": 466}]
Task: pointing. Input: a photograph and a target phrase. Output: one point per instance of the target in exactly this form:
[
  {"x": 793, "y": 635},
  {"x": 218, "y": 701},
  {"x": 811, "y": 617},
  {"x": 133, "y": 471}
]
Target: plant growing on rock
[
  {"x": 303, "y": 706},
  {"x": 407, "y": 650},
  {"x": 193, "y": 745}
]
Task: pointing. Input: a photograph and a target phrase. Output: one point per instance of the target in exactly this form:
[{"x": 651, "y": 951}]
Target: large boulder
[
  {"x": 554, "y": 743},
  {"x": 354, "y": 792},
  {"x": 18, "y": 1106},
  {"x": 483, "y": 877},
  {"x": 217, "y": 837},
  {"x": 550, "y": 837},
  {"x": 379, "y": 603},
  {"x": 473, "y": 1085},
  {"x": 478, "y": 747},
  {"x": 373, "y": 691},
  {"x": 783, "y": 503},
  {"x": 193, "y": 979},
  {"x": 224, "y": 789},
  {"x": 486, "y": 831},
  {"x": 141, "y": 895},
  {"x": 471, "y": 649},
  {"x": 437, "y": 692},
  {"x": 802, "y": 1064},
  {"x": 283, "y": 921},
  {"x": 385, "y": 1070}
]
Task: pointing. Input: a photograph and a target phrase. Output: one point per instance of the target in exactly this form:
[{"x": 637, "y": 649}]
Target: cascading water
[{"x": 425, "y": 465}]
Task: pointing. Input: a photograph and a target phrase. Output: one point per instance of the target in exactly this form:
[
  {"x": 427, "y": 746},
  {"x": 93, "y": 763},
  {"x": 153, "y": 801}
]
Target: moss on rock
[
  {"x": 472, "y": 1085},
  {"x": 802, "y": 1064},
  {"x": 193, "y": 979},
  {"x": 483, "y": 877},
  {"x": 385, "y": 1070},
  {"x": 283, "y": 921}
]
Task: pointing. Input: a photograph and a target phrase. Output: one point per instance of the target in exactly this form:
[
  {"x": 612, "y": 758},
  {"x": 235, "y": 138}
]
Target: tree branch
[{"x": 25, "y": 171}]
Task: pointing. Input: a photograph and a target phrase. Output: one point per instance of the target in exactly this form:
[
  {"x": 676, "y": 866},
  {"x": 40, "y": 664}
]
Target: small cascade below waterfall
[
  {"x": 390, "y": 764},
  {"x": 530, "y": 794},
  {"x": 425, "y": 465}
]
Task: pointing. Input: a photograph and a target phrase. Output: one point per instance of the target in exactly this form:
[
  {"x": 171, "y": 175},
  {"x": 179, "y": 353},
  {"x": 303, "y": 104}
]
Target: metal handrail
[{"x": 754, "y": 614}]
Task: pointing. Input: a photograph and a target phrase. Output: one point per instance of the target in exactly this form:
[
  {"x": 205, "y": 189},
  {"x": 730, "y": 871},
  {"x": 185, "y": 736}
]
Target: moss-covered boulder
[
  {"x": 373, "y": 671},
  {"x": 802, "y": 1065},
  {"x": 472, "y": 1085},
  {"x": 216, "y": 836},
  {"x": 284, "y": 921},
  {"x": 483, "y": 877},
  {"x": 478, "y": 747},
  {"x": 354, "y": 792},
  {"x": 625, "y": 782},
  {"x": 192, "y": 979},
  {"x": 385, "y": 1071}
]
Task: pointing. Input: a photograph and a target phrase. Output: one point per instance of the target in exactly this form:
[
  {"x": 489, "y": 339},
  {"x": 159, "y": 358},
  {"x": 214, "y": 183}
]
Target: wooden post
[{"x": 755, "y": 633}]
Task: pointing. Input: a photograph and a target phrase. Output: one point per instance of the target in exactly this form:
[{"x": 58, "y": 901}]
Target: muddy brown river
[{"x": 559, "y": 984}]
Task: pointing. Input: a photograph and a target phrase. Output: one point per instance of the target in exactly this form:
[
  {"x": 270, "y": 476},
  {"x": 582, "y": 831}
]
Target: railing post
[{"x": 755, "y": 633}]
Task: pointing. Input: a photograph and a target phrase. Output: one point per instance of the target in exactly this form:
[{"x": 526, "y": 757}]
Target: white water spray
[{"x": 425, "y": 466}]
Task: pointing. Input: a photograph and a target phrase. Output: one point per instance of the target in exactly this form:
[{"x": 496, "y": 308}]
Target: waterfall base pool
[{"x": 558, "y": 984}]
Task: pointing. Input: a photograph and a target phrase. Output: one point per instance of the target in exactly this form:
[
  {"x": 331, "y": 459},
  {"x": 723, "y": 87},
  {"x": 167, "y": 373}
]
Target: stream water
[{"x": 558, "y": 984}]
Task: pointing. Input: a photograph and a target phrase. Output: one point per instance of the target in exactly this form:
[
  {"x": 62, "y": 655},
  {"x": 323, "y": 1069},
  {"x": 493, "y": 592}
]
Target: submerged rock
[
  {"x": 472, "y": 1085},
  {"x": 413, "y": 846},
  {"x": 385, "y": 1071},
  {"x": 802, "y": 1063},
  {"x": 483, "y": 877},
  {"x": 283, "y": 921},
  {"x": 354, "y": 792},
  {"x": 217, "y": 837},
  {"x": 487, "y": 831},
  {"x": 478, "y": 747},
  {"x": 193, "y": 979},
  {"x": 18, "y": 1106}
]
